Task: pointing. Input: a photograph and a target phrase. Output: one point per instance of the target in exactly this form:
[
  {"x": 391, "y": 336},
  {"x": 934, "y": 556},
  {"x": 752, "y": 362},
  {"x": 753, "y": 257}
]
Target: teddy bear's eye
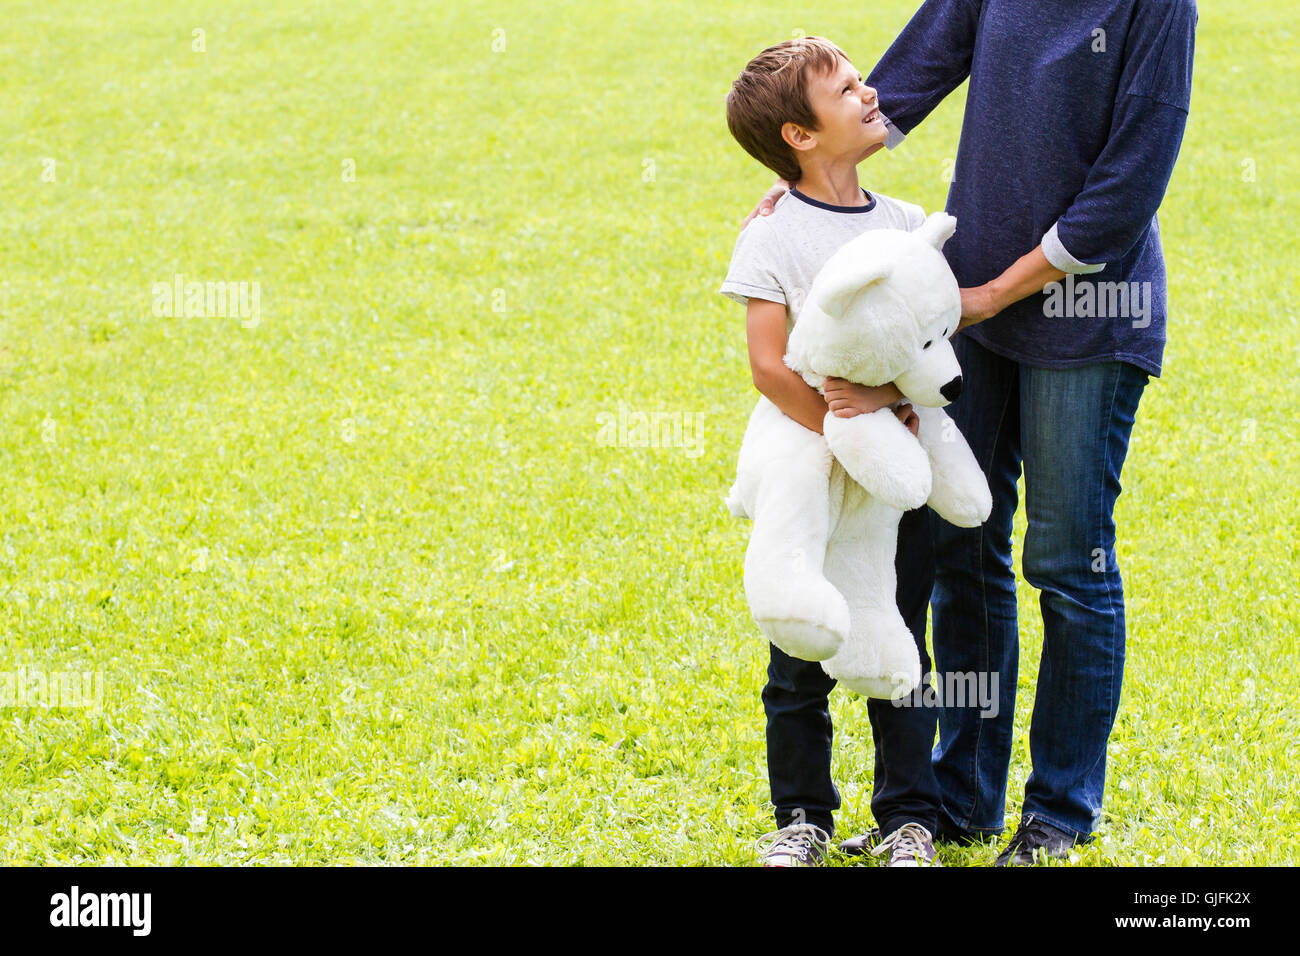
[{"x": 928, "y": 344}]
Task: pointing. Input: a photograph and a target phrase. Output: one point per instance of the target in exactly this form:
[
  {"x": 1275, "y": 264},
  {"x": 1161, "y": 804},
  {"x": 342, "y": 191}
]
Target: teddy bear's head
[{"x": 881, "y": 310}]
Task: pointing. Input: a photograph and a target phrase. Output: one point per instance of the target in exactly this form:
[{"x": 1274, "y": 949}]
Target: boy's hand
[
  {"x": 847, "y": 399},
  {"x": 764, "y": 207}
]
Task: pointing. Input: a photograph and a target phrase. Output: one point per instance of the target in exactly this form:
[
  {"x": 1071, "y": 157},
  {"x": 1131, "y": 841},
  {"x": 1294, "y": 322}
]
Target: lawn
[{"x": 364, "y": 576}]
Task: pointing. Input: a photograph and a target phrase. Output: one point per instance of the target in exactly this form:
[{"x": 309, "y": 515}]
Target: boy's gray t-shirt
[{"x": 776, "y": 257}]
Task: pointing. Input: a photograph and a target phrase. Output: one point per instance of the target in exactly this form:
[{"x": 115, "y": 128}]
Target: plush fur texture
[{"x": 819, "y": 570}]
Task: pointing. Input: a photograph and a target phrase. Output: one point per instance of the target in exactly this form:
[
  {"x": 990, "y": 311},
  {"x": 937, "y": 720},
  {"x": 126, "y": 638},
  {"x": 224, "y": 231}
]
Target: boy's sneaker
[
  {"x": 945, "y": 832},
  {"x": 1036, "y": 840},
  {"x": 799, "y": 844},
  {"x": 909, "y": 845}
]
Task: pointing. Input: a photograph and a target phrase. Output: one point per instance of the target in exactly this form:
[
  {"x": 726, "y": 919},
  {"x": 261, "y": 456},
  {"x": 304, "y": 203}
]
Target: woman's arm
[
  {"x": 767, "y": 203},
  {"x": 1128, "y": 179},
  {"x": 928, "y": 60}
]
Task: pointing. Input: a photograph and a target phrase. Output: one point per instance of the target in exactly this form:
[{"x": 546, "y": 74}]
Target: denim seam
[
  {"x": 1110, "y": 595},
  {"x": 1114, "y": 620}
]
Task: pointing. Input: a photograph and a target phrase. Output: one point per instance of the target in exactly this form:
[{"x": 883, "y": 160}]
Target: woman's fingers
[
  {"x": 768, "y": 202},
  {"x": 908, "y": 417}
]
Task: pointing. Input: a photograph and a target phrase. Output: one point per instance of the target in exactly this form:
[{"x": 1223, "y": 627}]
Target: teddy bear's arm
[
  {"x": 960, "y": 492},
  {"x": 882, "y": 456}
]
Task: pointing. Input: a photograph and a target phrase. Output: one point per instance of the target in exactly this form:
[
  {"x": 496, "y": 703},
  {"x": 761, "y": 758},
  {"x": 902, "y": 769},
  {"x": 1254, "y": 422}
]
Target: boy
[{"x": 802, "y": 110}]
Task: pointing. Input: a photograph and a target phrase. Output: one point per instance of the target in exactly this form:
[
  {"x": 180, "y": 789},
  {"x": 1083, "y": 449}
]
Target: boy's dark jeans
[{"x": 799, "y": 722}]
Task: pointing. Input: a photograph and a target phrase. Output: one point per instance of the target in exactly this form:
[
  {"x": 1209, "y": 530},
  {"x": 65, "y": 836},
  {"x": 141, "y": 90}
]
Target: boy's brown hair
[{"x": 772, "y": 91}]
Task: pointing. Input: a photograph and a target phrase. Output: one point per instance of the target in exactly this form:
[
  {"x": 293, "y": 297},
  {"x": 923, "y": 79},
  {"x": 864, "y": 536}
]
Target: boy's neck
[{"x": 836, "y": 185}]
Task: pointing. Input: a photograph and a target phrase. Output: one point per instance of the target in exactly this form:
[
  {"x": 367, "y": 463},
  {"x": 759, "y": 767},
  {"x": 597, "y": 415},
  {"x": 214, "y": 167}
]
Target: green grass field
[{"x": 362, "y": 581}]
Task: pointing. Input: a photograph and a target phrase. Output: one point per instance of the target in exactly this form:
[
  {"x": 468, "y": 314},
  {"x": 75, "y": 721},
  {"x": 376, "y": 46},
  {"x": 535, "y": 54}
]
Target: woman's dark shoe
[{"x": 1036, "y": 840}]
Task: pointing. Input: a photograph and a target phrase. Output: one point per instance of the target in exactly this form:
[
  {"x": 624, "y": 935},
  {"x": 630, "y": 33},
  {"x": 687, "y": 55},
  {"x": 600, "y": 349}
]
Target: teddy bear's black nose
[{"x": 952, "y": 389}]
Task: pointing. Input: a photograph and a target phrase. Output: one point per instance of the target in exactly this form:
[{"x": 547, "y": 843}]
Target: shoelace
[
  {"x": 908, "y": 840},
  {"x": 797, "y": 839}
]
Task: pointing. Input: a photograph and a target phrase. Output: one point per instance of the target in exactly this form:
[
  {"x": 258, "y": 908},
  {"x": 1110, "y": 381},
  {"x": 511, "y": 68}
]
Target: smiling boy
[{"x": 802, "y": 110}]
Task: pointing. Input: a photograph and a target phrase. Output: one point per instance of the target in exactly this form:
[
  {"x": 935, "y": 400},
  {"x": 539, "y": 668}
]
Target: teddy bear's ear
[
  {"x": 849, "y": 283},
  {"x": 937, "y": 228}
]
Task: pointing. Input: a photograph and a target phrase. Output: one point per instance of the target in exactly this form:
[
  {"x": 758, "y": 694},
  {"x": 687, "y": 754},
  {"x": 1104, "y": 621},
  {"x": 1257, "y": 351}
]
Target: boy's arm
[{"x": 765, "y": 333}]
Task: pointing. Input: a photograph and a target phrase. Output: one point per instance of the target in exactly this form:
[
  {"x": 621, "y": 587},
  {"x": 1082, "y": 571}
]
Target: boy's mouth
[{"x": 872, "y": 116}]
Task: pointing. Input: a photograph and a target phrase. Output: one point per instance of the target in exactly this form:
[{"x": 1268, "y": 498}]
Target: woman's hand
[
  {"x": 977, "y": 304},
  {"x": 764, "y": 207},
  {"x": 908, "y": 417},
  {"x": 847, "y": 399},
  {"x": 1026, "y": 276}
]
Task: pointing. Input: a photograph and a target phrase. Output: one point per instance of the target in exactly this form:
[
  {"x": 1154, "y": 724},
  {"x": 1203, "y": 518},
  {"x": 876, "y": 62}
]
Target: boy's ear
[
  {"x": 937, "y": 229},
  {"x": 796, "y": 137}
]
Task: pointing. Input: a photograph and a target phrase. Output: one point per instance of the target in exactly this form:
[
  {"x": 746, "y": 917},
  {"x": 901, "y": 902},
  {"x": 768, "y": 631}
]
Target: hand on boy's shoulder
[
  {"x": 760, "y": 234},
  {"x": 767, "y": 203}
]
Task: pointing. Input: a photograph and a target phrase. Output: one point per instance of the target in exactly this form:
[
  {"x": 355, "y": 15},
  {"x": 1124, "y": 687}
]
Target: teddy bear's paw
[
  {"x": 889, "y": 687},
  {"x": 802, "y": 639},
  {"x": 882, "y": 456},
  {"x": 899, "y": 665},
  {"x": 881, "y": 668},
  {"x": 797, "y": 610},
  {"x": 965, "y": 507}
]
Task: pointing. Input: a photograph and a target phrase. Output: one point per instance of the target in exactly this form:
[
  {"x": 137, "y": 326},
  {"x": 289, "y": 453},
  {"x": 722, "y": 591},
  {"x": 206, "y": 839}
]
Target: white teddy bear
[{"x": 819, "y": 570}]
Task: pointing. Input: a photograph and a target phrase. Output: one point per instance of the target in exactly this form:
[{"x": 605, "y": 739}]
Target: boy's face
[{"x": 849, "y": 114}]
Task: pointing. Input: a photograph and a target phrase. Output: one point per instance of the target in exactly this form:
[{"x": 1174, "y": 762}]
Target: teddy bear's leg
[
  {"x": 879, "y": 658},
  {"x": 782, "y": 484},
  {"x": 788, "y": 497},
  {"x": 794, "y": 605},
  {"x": 959, "y": 492}
]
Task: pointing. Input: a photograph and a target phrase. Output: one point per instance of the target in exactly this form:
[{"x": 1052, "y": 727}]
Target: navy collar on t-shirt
[{"x": 871, "y": 202}]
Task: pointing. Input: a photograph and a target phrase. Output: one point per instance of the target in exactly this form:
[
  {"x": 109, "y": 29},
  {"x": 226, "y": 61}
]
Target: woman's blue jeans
[{"x": 1069, "y": 428}]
